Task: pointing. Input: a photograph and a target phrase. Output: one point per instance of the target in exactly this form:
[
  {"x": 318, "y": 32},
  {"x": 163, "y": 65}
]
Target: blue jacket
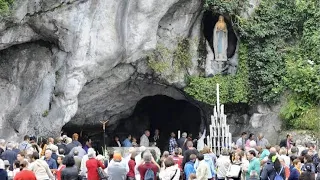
[
  {"x": 294, "y": 173},
  {"x": 51, "y": 163},
  {"x": 9, "y": 155},
  {"x": 189, "y": 169},
  {"x": 268, "y": 171},
  {"x": 3, "y": 174},
  {"x": 126, "y": 143}
]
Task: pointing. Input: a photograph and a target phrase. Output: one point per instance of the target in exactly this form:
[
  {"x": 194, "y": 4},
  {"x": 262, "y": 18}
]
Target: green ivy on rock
[
  {"x": 5, "y": 6},
  {"x": 233, "y": 89}
]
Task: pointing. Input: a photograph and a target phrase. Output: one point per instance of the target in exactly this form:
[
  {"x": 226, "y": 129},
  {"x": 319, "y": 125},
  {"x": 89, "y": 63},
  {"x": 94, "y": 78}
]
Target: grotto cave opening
[
  {"x": 164, "y": 113},
  {"x": 151, "y": 112},
  {"x": 208, "y": 22}
]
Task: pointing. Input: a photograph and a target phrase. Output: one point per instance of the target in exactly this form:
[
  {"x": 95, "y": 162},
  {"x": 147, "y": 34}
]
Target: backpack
[
  {"x": 316, "y": 160},
  {"x": 278, "y": 175},
  {"x": 149, "y": 175}
]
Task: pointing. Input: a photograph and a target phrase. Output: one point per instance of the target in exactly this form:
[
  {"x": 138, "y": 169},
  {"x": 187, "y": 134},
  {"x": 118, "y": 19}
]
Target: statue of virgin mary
[{"x": 220, "y": 40}]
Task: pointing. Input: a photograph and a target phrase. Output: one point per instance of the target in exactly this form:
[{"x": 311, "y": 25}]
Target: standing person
[
  {"x": 223, "y": 163},
  {"x": 3, "y": 172},
  {"x": 117, "y": 170},
  {"x": 80, "y": 150},
  {"x": 251, "y": 138},
  {"x": 144, "y": 139},
  {"x": 134, "y": 142},
  {"x": 92, "y": 165},
  {"x": 2, "y": 146},
  {"x": 261, "y": 141},
  {"x": 131, "y": 164},
  {"x": 209, "y": 161},
  {"x": 40, "y": 168},
  {"x": 200, "y": 142},
  {"x": 283, "y": 154},
  {"x": 148, "y": 168},
  {"x": 156, "y": 137},
  {"x": 115, "y": 142},
  {"x": 172, "y": 143},
  {"x": 182, "y": 141},
  {"x": 75, "y": 139},
  {"x": 70, "y": 172},
  {"x": 61, "y": 145},
  {"x": 87, "y": 145},
  {"x": 50, "y": 161},
  {"x": 170, "y": 171},
  {"x": 189, "y": 166},
  {"x": 25, "y": 173},
  {"x": 295, "y": 170},
  {"x": 272, "y": 168},
  {"x": 254, "y": 166},
  {"x": 177, "y": 158},
  {"x": 85, "y": 158},
  {"x": 43, "y": 146},
  {"x": 77, "y": 160},
  {"x": 61, "y": 166},
  {"x": 242, "y": 141},
  {"x": 287, "y": 143},
  {"x": 9, "y": 155},
  {"x": 188, "y": 152},
  {"x": 69, "y": 145},
  {"x": 127, "y": 142},
  {"x": 25, "y": 143},
  {"x": 202, "y": 171}
]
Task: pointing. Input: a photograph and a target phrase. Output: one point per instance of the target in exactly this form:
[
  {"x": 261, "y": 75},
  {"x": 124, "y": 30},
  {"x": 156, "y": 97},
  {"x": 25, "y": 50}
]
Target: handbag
[
  {"x": 102, "y": 174},
  {"x": 233, "y": 171}
]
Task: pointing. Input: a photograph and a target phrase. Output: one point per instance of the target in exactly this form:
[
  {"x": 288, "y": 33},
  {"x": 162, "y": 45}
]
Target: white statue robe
[{"x": 220, "y": 44}]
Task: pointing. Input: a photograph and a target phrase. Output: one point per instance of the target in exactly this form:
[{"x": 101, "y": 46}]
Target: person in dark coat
[
  {"x": 182, "y": 142},
  {"x": 287, "y": 143},
  {"x": 272, "y": 168},
  {"x": 116, "y": 142},
  {"x": 70, "y": 172},
  {"x": 9, "y": 155}
]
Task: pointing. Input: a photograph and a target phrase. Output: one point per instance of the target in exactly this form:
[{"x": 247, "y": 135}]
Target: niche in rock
[
  {"x": 163, "y": 113},
  {"x": 209, "y": 21}
]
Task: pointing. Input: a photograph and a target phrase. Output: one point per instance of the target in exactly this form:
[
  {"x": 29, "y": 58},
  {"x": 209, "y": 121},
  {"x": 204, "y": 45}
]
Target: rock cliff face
[{"x": 83, "y": 61}]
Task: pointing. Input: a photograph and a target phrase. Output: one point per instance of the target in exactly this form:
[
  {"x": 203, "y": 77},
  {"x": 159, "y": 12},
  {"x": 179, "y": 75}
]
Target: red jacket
[
  {"x": 131, "y": 165},
  {"x": 92, "y": 166},
  {"x": 25, "y": 175},
  {"x": 144, "y": 167},
  {"x": 58, "y": 172}
]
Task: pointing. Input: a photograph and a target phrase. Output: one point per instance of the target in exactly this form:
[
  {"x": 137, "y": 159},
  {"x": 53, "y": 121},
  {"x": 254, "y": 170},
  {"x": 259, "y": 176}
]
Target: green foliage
[
  {"x": 299, "y": 114},
  {"x": 45, "y": 113},
  {"x": 233, "y": 89},
  {"x": 283, "y": 41},
  {"x": 171, "y": 62},
  {"x": 230, "y": 7},
  {"x": 5, "y": 6}
]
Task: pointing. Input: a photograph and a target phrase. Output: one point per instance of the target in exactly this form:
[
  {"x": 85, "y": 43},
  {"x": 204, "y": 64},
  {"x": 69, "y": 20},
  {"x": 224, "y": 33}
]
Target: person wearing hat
[
  {"x": 3, "y": 172},
  {"x": 117, "y": 170}
]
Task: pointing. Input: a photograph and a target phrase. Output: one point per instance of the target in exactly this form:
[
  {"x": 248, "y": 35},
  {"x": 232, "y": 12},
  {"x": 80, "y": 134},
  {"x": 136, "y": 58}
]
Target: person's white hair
[
  {"x": 147, "y": 156},
  {"x": 142, "y": 148},
  {"x": 48, "y": 151},
  {"x": 184, "y": 135},
  {"x": 68, "y": 140},
  {"x": 252, "y": 144},
  {"x": 2, "y": 142},
  {"x": 10, "y": 145},
  {"x": 91, "y": 153},
  {"x": 100, "y": 157}
]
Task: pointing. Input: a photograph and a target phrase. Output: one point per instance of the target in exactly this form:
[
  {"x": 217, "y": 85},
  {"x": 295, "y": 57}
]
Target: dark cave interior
[{"x": 152, "y": 112}]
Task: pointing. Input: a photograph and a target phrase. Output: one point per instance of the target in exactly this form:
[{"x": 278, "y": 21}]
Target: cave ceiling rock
[{"x": 83, "y": 43}]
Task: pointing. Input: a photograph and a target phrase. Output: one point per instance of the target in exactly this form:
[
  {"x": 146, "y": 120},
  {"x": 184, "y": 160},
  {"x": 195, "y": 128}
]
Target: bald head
[{"x": 273, "y": 150}]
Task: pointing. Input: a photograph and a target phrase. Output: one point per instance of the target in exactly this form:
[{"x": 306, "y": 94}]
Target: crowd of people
[{"x": 250, "y": 158}]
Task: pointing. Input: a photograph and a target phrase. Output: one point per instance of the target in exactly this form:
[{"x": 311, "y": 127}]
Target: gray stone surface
[{"x": 92, "y": 63}]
